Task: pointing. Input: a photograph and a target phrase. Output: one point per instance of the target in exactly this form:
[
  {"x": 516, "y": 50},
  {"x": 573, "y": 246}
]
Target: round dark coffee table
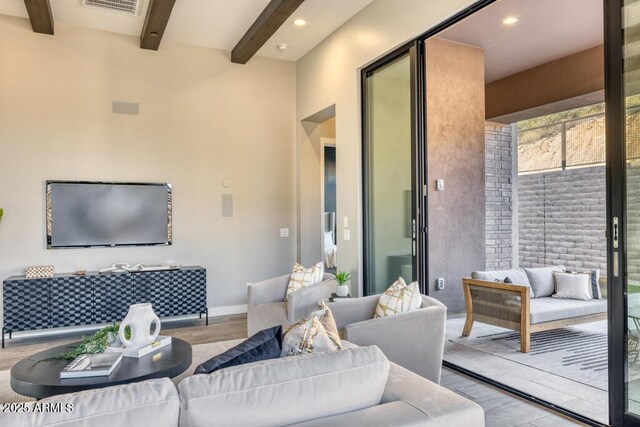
[{"x": 29, "y": 377}]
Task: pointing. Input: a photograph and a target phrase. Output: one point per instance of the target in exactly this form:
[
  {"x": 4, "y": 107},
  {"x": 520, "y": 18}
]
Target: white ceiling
[
  {"x": 217, "y": 24},
  {"x": 546, "y": 30}
]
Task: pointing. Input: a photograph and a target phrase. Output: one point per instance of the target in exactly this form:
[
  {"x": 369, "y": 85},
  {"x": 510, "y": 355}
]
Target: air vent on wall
[{"x": 126, "y": 6}]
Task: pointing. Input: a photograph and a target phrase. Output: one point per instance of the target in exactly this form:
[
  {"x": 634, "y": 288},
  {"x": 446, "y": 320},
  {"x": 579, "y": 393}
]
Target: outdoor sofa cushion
[
  {"x": 541, "y": 279},
  {"x": 548, "y": 309},
  {"x": 517, "y": 276}
]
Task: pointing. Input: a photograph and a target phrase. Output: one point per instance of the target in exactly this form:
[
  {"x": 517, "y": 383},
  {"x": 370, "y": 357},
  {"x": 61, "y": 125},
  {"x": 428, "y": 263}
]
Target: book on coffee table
[
  {"x": 160, "y": 342},
  {"x": 91, "y": 365}
]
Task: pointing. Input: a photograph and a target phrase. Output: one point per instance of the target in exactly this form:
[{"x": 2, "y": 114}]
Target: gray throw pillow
[{"x": 541, "y": 280}]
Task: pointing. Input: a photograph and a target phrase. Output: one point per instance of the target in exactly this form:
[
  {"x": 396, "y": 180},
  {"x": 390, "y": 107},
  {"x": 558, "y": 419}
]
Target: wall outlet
[
  {"x": 440, "y": 283},
  {"x": 345, "y": 222},
  {"x": 284, "y": 232},
  {"x": 439, "y": 184},
  {"x": 346, "y": 235}
]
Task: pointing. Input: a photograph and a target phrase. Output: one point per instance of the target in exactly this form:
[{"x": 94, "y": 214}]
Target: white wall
[
  {"x": 201, "y": 119},
  {"x": 330, "y": 74}
]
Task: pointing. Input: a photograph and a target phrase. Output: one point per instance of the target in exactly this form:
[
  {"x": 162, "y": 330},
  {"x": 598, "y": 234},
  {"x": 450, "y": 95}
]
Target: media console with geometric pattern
[{"x": 68, "y": 300}]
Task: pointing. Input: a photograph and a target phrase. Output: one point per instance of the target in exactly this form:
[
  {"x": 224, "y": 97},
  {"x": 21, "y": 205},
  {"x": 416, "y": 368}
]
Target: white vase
[
  {"x": 342, "y": 290},
  {"x": 139, "y": 319}
]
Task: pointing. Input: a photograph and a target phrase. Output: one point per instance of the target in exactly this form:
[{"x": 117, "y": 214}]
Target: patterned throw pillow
[
  {"x": 305, "y": 337},
  {"x": 399, "y": 298},
  {"x": 301, "y": 277},
  {"x": 329, "y": 323}
]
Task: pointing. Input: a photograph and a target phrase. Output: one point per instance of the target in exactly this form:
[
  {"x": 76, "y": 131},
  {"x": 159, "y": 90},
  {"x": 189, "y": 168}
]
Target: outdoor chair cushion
[
  {"x": 517, "y": 276},
  {"x": 548, "y": 309}
]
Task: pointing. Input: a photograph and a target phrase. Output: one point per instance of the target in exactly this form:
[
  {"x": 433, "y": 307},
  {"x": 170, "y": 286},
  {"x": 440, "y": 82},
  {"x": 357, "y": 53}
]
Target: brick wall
[
  {"x": 562, "y": 218},
  {"x": 498, "y": 189}
]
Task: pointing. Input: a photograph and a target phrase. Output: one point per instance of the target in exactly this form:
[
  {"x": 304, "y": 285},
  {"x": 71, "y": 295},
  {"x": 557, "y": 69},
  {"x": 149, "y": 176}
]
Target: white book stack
[
  {"x": 160, "y": 342},
  {"x": 91, "y": 365}
]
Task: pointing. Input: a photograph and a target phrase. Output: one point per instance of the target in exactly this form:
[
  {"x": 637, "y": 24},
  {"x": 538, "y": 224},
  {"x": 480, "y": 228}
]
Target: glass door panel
[
  {"x": 388, "y": 164},
  {"x": 631, "y": 215}
]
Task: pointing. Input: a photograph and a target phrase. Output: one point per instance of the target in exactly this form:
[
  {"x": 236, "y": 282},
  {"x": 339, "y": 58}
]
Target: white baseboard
[
  {"x": 227, "y": 310},
  {"x": 71, "y": 330}
]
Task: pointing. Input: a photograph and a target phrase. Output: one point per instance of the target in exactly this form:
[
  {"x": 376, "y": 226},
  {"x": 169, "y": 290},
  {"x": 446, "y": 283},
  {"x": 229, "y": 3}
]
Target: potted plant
[{"x": 342, "y": 290}]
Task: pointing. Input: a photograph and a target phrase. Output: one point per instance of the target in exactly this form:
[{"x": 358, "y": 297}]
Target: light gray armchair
[
  {"x": 413, "y": 340},
  {"x": 266, "y": 306}
]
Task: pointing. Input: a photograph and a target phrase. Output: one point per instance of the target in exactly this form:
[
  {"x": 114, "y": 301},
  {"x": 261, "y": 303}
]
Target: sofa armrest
[
  {"x": 302, "y": 302},
  {"x": 266, "y": 291},
  {"x": 443, "y": 406},
  {"x": 414, "y": 340},
  {"x": 353, "y": 310}
]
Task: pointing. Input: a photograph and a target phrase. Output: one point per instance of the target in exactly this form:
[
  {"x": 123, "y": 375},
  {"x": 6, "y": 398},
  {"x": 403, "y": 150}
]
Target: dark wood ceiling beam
[
  {"x": 40, "y": 16},
  {"x": 271, "y": 18},
  {"x": 155, "y": 23}
]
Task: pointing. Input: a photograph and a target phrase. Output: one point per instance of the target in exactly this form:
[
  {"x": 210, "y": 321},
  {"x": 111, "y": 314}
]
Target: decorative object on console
[
  {"x": 302, "y": 277},
  {"x": 1, "y": 214},
  {"x": 139, "y": 318},
  {"x": 399, "y": 298},
  {"x": 39, "y": 272},
  {"x": 342, "y": 290},
  {"x": 266, "y": 344}
]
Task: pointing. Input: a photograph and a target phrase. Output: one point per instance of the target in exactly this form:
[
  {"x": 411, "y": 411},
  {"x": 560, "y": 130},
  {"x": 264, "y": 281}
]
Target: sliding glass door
[
  {"x": 389, "y": 157},
  {"x": 622, "y": 90}
]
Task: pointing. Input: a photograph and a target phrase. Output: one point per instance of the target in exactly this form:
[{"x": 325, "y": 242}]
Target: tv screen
[{"x": 86, "y": 214}]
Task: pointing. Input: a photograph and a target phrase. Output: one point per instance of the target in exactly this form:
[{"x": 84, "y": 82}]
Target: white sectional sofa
[{"x": 353, "y": 387}]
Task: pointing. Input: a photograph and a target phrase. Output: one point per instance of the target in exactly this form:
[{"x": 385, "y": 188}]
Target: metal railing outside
[{"x": 572, "y": 143}]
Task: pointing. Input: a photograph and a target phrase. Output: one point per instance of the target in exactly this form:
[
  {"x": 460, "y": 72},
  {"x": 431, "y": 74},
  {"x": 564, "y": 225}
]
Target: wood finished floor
[{"x": 501, "y": 409}]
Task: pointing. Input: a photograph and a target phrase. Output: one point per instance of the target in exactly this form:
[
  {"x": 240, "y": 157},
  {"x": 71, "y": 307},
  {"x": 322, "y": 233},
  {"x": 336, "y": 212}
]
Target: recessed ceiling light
[
  {"x": 282, "y": 46},
  {"x": 299, "y": 22},
  {"x": 510, "y": 20}
]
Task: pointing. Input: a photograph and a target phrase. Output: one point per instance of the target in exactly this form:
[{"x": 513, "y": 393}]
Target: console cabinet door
[
  {"x": 190, "y": 291},
  {"x": 71, "y": 301},
  {"x": 113, "y": 294},
  {"x": 26, "y": 304},
  {"x": 155, "y": 287}
]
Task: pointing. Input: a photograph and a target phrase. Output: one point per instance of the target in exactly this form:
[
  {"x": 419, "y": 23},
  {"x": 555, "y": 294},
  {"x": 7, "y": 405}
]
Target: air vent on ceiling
[{"x": 127, "y": 6}]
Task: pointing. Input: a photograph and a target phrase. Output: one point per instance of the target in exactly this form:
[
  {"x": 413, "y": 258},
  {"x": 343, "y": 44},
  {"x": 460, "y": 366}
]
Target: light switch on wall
[
  {"x": 346, "y": 235},
  {"x": 284, "y": 232}
]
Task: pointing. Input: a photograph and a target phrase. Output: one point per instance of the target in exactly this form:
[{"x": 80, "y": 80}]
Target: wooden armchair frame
[{"x": 508, "y": 305}]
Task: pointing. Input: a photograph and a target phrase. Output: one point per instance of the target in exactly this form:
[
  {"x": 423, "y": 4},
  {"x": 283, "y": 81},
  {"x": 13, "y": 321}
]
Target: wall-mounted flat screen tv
[{"x": 107, "y": 214}]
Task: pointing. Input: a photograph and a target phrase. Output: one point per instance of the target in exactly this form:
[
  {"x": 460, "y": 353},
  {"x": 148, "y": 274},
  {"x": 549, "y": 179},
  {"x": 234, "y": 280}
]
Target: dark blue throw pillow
[{"x": 266, "y": 344}]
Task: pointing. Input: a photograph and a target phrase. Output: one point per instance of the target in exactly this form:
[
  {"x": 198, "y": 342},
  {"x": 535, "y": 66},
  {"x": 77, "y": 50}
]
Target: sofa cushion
[
  {"x": 153, "y": 402},
  {"x": 325, "y": 316},
  {"x": 285, "y": 391},
  {"x": 517, "y": 276},
  {"x": 547, "y": 309},
  {"x": 573, "y": 285},
  {"x": 396, "y": 413},
  {"x": 399, "y": 298},
  {"x": 541, "y": 280},
  {"x": 442, "y": 407},
  {"x": 302, "y": 277},
  {"x": 266, "y": 344},
  {"x": 305, "y": 337}
]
